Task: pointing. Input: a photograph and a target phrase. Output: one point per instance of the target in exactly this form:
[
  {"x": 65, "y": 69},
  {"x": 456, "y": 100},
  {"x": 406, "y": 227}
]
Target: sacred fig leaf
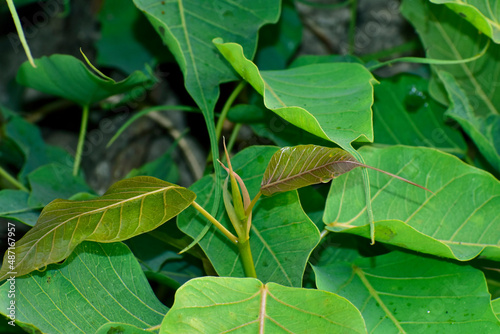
[
  {"x": 407, "y": 293},
  {"x": 317, "y": 98},
  {"x": 130, "y": 207},
  {"x": 67, "y": 77},
  {"x": 458, "y": 220},
  {"x": 484, "y": 15},
  {"x": 295, "y": 167},
  {"x": 97, "y": 284},
  {"x": 446, "y": 35},
  {"x": 222, "y": 305}
]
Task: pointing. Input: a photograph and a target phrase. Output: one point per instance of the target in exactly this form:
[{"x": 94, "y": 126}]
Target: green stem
[
  {"x": 12, "y": 180},
  {"x": 252, "y": 204},
  {"x": 246, "y": 258},
  {"x": 214, "y": 221},
  {"x": 405, "y": 47},
  {"x": 352, "y": 25},
  {"x": 81, "y": 139},
  {"x": 227, "y": 106},
  {"x": 233, "y": 137},
  {"x": 20, "y": 31}
]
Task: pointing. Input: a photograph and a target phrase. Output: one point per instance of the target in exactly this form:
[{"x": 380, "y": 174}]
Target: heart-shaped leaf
[
  {"x": 100, "y": 282},
  {"x": 317, "y": 98},
  {"x": 222, "y": 305},
  {"x": 69, "y": 78},
  {"x": 484, "y": 15},
  {"x": 406, "y": 293},
  {"x": 295, "y": 167},
  {"x": 282, "y": 235},
  {"x": 459, "y": 220},
  {"x": 130, "y": 207}
]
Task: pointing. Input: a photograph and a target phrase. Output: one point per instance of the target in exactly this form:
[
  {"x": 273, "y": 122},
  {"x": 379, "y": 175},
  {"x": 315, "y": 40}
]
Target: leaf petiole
[{"x": 214, "y": 221}]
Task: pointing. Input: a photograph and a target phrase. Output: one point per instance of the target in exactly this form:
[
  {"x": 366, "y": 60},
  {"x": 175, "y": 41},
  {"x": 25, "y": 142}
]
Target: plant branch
[
  {"x": 214, "y": 221},
  {"x": 252, "y": 203},
  {"x": 12, "y": 180},
  {"x": 81, "y": 139}
]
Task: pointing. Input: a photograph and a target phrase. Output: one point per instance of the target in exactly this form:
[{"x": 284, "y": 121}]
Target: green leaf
[
  {"x": 127, "y": 41},
  {"x": 483, "y": 130},
  {"x": 295, "y": 167},
  {"x": 459, "y": 220},
  {"x": 29, "y": 140},
  {"x": 281, "y": 238},
  {"x": 97, "y": 284},
  {"x": 69, "y": 78},
  {"x": 14, "y": 205},
  {"x": 406, "y": 293},
  {"x": 54, "y": 181},
  {"x": 129, "y": 207},
  {"x": 405, "y": 114},
  {"x": 496, "y": 307},
  {"x": 318, "y": 98},
  {"x": 484, "y": 15},
  {"x": 279, "y": 42},
  {"x": 163, "y": 168},
  {"x": 446, "y": 35},
  {"x": 220, "y": 305}
]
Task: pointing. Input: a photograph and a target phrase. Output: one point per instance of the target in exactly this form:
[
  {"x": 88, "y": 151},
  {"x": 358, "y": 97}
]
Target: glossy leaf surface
[
  {"x": 405, "y": 293},
  {"x": 97, "y": 284},
  {"x": 220, "y": 305},
  {"x": 318, "y": 98},
  {"x": 282, "y": 235},
  {"x": 295, "y": 167},
  {"x": 458, "y": 221},
  {"x": 67, "y": 77},
  {"x": 130, "y": 207}
]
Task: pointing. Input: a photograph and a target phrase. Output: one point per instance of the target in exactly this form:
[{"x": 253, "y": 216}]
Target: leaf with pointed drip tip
[
  {"x": 129, "y": 208},
  {"x": 295, "y": 167}
]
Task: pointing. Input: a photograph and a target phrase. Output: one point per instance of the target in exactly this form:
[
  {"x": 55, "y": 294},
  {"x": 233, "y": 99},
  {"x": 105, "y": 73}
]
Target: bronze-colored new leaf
[
  {"x": 129, "y": 207},
  {"x": 295, "y": 167}
]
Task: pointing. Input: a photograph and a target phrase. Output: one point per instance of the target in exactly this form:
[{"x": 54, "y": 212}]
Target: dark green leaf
[
  {"x": 69, "y": 78},
  {"x": 14, "y": 205},
  {"x": 128, "y": 41},
  {"x": 446, "y": 35},
  {"x": 163, "y": 168},
  {"x": 404, "y": 113},
  {"x": 281, "y": 238},
  {"x": 130, "y": 207},
  {"x": 318, "y": 98},
  {"x": 97, "y": 284},
  {"x": 406, "y": 293},
  {"x": 483, "y": 130},
  {"x": 120, "y": 328},
  {"x": 279, "y": 42},
  {"x": 459, "y": 220},
  {"x": 220, "y": 305},
  {"x": 54, "y": 181}
]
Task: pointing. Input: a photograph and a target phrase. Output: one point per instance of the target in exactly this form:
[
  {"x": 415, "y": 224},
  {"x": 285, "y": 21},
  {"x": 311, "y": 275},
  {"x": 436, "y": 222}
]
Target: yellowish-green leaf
[{"x": 130, "y": 207}]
